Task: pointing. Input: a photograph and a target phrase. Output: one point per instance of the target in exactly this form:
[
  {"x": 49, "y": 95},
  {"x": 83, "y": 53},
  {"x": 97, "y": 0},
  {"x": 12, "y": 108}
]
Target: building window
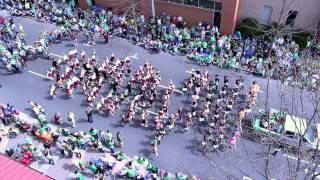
[
  {"x": 291, "y": 18},
  {"x": 217, "y": 6},
  {"x": 191, "y": 2},
  {"x": 206, "y": 4},
  {"x": 177, "y": 1},
  {"x": 266, "y": 15}
]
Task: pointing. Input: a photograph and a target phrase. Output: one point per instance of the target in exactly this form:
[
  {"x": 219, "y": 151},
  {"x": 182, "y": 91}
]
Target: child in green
[
  {"x": 131, "y": 172},
  {"x": 120, "y": 155},
  {"x": 92, "y": 168},
  {"x": 79, "y": 175}
]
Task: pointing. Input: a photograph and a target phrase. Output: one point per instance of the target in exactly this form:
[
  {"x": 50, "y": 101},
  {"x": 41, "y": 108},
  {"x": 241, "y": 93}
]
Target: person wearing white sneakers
[{"x": 71, "y": 118}]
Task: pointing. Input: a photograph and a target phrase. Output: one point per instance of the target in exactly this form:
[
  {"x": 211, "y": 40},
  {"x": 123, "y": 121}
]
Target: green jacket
[
  {"x": 131, "y": 173},
  {"x": 108, "y": 136},
  {"x": 94, "y": 132},
  {"x": 93, "y": 168}
]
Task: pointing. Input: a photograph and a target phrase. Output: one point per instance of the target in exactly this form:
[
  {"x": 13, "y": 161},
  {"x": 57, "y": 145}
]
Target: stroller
[
  {"x": 14, "y": 152},
  {"x": 27, "y": 158},
  {"x": 24, "y": 125}
]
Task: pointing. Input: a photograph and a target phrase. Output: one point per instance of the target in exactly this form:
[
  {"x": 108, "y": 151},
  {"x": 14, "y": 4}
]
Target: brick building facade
[{"x": 221, "y": 13}]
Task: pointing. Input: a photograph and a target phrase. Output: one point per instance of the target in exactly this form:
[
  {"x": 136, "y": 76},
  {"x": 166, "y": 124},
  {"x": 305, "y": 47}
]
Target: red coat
[{"x": 175, "y": 20}]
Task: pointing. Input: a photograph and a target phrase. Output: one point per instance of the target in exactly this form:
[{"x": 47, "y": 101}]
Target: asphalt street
[{"x": 176, "y": 151}]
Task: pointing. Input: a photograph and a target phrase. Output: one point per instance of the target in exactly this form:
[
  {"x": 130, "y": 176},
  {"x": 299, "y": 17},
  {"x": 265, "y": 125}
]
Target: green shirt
[
  {"x": 198, "y": 43},
  {"x": 166, "y": 177},
  {"x": 99, "y": 145},
  {"x": 80, "y": 162},
  {"x": 131, "y": 173},
  {"x": 106, "y": 27},
  {"x": 93, "y": 168},
  {"x": 81, "y": 141},
  {"x": 94, "y": 132},
  {"x": 110, "y": 144},
  {"x": 213, "y": 39},
  {"x": 79, "y": 176},
  {"x": 120, "y": 156},
  {"x": 204, "y": 44},
  {"x": 108, "y": 136},
  {"x": 154, "y": 141},
  {"x": 183, "y": 177}
]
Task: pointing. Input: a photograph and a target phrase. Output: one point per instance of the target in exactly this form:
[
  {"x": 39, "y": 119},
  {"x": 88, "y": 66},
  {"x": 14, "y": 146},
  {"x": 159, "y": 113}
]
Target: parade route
[{"x": 177, "y": 152}]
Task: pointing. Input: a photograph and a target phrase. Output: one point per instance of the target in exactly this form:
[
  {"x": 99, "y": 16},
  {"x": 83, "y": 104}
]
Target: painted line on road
[
  {"x": 295, "y": 158},
  {"x": 151, "y": 112},
  {"x": 56, "y": 55},
  {"x": 289, "y": 156},
  {"x": 246, "y": 178},
  {"x": 134, "y": 56},
  {"x": 168, "y": 88},
  {"x": 86, "y": 44},
  {"x": 37, "y": 74},
  {"x": 189, "y": 72}
]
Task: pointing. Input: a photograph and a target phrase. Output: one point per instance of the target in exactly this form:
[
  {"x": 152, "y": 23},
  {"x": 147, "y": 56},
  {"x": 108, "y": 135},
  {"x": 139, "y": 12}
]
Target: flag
[{"x": 96, "y": 28}]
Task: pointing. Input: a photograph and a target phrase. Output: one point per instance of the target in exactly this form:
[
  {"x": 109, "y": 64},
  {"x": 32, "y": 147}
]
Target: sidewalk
[{"x": 44, "y": 167}]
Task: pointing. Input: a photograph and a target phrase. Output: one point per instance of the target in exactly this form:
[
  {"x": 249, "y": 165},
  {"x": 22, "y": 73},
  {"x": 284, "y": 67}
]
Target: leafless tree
[{"x": 294, "y": 105}]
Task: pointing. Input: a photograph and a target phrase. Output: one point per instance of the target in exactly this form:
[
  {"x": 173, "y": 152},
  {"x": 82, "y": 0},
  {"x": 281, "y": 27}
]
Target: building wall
[
  {"x": 229, "y": 16},
  {"x": 146, "y": 7},
  {"x": 117, "y": 6},
  {"x": 82, "y": 4},
  {"x": 308, "y": 11},
  {"x": 192, "y": 15}
]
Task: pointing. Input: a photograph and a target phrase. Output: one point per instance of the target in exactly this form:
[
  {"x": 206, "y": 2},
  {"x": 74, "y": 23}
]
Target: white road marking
[
  {"x": 295, "y": 158},
  {"x": 134, "y": 56},
  {"x": 56, "y": 55},
  {"x": 87, "y": 45},
  {"x": 151, "y": 112},
  {"x": 189, "y": 72},
  {"x": 289, "y": 156},
  {"x": 246, "y": 178},
  {"x": 168, "y": 88},
  {"x": 37, "y": 74}
]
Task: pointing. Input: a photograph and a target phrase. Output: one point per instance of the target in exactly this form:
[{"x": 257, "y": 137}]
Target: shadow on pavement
[
  {"x": 145, "y": 143},
  {"x": 64, "y": 96},
  {"x": 48, "y": 98},
  {"x": 29, "y": 111},
  {"x": 118, "y": 125},
  {"x": 145, "y": 152},
  {"x": 82, "y": 120},
  {"x": 6, "y": 73},
  {"x": 69, "y": 45}
]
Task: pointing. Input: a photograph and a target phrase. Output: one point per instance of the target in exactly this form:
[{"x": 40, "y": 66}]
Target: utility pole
[
  {"x": 134, "y": 9},
  {"x": 153, "y": 8}
]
